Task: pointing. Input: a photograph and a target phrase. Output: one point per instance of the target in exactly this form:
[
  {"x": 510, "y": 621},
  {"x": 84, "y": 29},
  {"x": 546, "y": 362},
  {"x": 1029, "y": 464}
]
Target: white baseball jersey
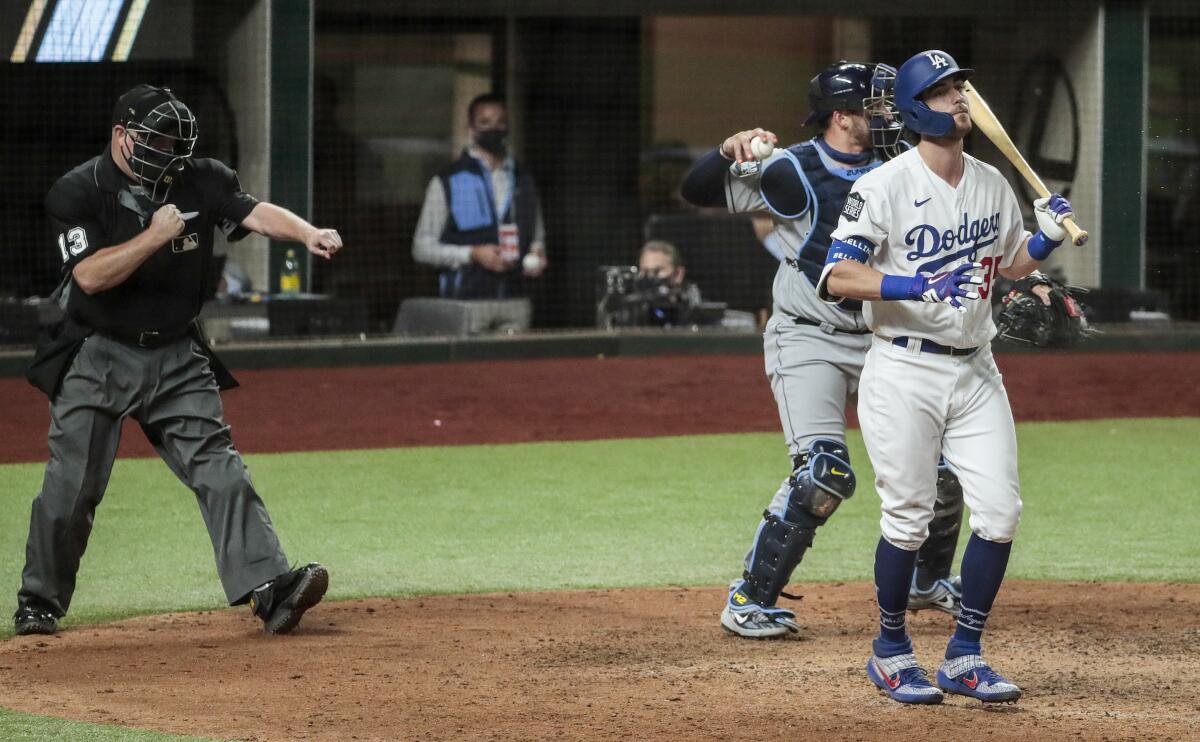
[{"x": 919, "y": 224}]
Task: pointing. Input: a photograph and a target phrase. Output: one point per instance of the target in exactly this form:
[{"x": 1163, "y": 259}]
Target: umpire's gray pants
[{"x": 172, "y": 393}]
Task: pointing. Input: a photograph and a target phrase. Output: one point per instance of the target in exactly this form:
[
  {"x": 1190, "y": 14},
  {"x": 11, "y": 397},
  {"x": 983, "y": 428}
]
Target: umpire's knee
[{"x": 225, "y": 476}]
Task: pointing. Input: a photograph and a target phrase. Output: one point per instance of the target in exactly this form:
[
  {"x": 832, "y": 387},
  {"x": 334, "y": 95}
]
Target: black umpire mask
[{"x": 493, "y": 141}]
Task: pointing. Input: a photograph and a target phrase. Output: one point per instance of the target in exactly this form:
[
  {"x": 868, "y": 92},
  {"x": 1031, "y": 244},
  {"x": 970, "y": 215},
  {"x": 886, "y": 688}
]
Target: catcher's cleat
[
  {"x": 282, "y": 602},
  {"x": 902, "y": 679},
  {"x": 945, "y": 596},
  {"x": 743, "y": 617},
  {"x": 970, "y": 676},
  {"x": 30, "y": 619}
]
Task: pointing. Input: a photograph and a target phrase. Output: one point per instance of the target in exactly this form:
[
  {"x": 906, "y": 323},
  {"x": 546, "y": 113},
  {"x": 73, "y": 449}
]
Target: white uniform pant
[{"x": 913, "y": 405}]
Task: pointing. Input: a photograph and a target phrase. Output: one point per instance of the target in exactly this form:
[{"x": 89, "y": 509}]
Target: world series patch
[{"x": 853, "y": 207}]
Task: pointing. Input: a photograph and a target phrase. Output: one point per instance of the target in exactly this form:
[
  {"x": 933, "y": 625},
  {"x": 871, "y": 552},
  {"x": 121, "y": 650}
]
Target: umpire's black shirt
[{"x": 94, "y": 206}]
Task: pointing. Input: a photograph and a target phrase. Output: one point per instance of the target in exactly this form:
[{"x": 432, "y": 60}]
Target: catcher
[{"x": 1044, "y": 312}]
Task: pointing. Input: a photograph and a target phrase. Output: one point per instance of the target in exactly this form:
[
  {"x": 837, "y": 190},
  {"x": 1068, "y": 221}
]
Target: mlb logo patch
[
  {"x": 185, "y": 242},
  {"x": 853, "y": 207}
]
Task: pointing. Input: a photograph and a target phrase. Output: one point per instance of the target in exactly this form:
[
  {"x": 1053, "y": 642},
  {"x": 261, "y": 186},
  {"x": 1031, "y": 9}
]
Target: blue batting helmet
[{"x": 921, "y": 72}]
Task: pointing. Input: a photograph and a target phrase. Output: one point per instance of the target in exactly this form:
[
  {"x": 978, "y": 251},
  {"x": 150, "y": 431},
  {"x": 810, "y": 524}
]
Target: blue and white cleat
[
  {"x": 744, "y": 617},
  {"x": 902, "y": 678},
  {"x": 970, "y": 676}
]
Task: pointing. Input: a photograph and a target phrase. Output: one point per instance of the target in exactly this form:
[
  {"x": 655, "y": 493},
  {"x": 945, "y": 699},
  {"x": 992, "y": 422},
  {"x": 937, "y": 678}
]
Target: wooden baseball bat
[{"x": 987, "y": 122}]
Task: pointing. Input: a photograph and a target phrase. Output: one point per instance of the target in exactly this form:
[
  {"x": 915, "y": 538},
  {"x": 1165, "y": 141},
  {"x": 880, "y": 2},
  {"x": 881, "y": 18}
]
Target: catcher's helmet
[
  {"x": 164, "y": 134},
  {"x": 852, "y": 86},
  {"x": 921, "y": 72}
]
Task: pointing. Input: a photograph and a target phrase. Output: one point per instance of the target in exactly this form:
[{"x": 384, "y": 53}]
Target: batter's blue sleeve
[
  {"x": 858, "y": 249},
  {"x": 704, "y": 184}
]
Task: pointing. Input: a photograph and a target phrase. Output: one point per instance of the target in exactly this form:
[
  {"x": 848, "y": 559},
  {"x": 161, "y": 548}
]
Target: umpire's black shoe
[
  {"x": 282, "y": 601},
  {"x": 31, "y": 619}
]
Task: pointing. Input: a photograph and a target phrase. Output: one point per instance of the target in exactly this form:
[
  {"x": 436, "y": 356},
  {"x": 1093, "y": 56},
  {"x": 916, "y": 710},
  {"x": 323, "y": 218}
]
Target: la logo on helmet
[{"x": 937, "y": 60}]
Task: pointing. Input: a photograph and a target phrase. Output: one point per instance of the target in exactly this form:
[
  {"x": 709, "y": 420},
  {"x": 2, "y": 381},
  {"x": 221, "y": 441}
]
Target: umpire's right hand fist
[{"x": 167, "y": 222}]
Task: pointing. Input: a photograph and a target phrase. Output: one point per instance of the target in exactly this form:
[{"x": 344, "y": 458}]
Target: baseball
[
  {"x": 761, "y": 148},
  {"x": 531, "y": 262}
]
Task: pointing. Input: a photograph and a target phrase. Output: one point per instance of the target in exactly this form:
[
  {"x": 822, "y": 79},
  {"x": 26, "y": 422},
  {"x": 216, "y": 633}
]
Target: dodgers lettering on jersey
[
  {"x": 919, "y": 224},
  {"x": 928, "y": 242}
]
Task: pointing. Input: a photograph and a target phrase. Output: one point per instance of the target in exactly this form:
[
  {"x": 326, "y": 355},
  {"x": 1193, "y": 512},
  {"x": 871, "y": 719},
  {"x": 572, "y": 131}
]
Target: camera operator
[{"x": 660, "y": 275}]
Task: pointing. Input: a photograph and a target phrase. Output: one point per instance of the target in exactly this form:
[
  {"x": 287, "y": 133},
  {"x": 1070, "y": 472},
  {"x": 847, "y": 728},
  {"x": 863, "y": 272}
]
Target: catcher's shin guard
[
  {"x": 936, "y": 556},
  {"x": 815, "y": 490}
]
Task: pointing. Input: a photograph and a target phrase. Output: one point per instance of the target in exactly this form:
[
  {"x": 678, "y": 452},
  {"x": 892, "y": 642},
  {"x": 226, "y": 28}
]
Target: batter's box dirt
[{"x": 1097, "y": 661}]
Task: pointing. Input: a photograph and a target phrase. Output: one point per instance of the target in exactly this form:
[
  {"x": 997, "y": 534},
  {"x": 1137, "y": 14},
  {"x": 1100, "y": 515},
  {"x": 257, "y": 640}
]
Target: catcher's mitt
[{"x": 1026, "y": 317}]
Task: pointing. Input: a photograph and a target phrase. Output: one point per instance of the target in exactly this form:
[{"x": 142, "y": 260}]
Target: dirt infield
[{"x": 1097, "y": 661}]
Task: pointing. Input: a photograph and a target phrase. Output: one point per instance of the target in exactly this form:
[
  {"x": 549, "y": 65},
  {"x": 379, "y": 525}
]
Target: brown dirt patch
[
  {"x": 1097, "y": 661},
  {"x": 590, "y": 398}
]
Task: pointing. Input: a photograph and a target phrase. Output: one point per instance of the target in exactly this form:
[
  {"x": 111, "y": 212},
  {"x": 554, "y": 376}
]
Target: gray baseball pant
[{"x": 172, "y": 393}]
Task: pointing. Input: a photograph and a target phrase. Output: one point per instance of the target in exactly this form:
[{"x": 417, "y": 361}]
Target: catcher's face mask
[{"x": 880, "y": 109}]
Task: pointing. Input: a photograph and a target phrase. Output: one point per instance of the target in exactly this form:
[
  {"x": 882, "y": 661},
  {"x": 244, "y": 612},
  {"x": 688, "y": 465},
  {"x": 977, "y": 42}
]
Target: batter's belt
[{"x": 928, "y": 346}]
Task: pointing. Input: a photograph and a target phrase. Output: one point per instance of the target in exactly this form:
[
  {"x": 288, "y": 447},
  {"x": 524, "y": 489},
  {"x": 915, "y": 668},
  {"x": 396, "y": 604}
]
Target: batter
[{"x": 922, "y": 239}]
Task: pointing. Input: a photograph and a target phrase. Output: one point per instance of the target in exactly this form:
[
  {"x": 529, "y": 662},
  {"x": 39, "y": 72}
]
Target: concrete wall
[
  {"x": 1005, "y": 50},
  {"x": 248, "y": 86},
  {"x": 713, "y": 76}
]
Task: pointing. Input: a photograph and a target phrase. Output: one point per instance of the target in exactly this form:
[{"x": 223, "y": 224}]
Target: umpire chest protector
[
  {"x": 94, "y": 206},
  {"x": 825, "y": 182},
  {"x": 473, "y": 220}
]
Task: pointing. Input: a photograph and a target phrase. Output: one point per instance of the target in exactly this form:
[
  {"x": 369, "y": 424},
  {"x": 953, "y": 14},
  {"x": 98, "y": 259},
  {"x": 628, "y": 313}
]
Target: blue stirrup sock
[
  {"x": 983, "y": 566},
  {"x": 893, "y": 575}
]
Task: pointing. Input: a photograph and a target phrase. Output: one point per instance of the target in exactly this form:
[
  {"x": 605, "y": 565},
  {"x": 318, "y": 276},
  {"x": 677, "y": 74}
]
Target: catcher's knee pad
[
  {"x": 936, "y": 556},
  {"x": 821, "y": 483}
]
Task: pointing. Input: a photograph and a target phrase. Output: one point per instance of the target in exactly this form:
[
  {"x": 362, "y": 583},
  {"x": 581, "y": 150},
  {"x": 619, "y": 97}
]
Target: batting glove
[
  {"x": 944, "y": 288},
  {"x": 1050, "y": 213},
  {"x": 948, "y": 288}
]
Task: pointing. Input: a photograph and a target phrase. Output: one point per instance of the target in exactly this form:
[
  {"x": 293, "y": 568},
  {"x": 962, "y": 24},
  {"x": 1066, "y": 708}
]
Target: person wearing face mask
[{"x": 481, "y": 218}]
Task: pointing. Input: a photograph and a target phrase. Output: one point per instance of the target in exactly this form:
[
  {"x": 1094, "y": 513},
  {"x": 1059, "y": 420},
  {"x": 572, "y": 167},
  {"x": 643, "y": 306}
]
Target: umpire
[{"x": 134, "y": 229}]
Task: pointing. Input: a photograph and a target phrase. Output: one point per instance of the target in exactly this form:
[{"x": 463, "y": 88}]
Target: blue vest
[
  {"x": 829, "y": 182},
  {"x": 472, "y": 220}
]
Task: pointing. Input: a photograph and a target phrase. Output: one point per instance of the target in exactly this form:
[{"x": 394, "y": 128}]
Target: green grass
[
  {"x": 18, "y": 727},
  {"x": 1107, "y": 500},
  {"x": 1104, "y": 500}
]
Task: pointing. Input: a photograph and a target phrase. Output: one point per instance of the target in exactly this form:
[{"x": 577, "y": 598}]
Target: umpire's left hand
[{"x": 324, "y": 242}]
